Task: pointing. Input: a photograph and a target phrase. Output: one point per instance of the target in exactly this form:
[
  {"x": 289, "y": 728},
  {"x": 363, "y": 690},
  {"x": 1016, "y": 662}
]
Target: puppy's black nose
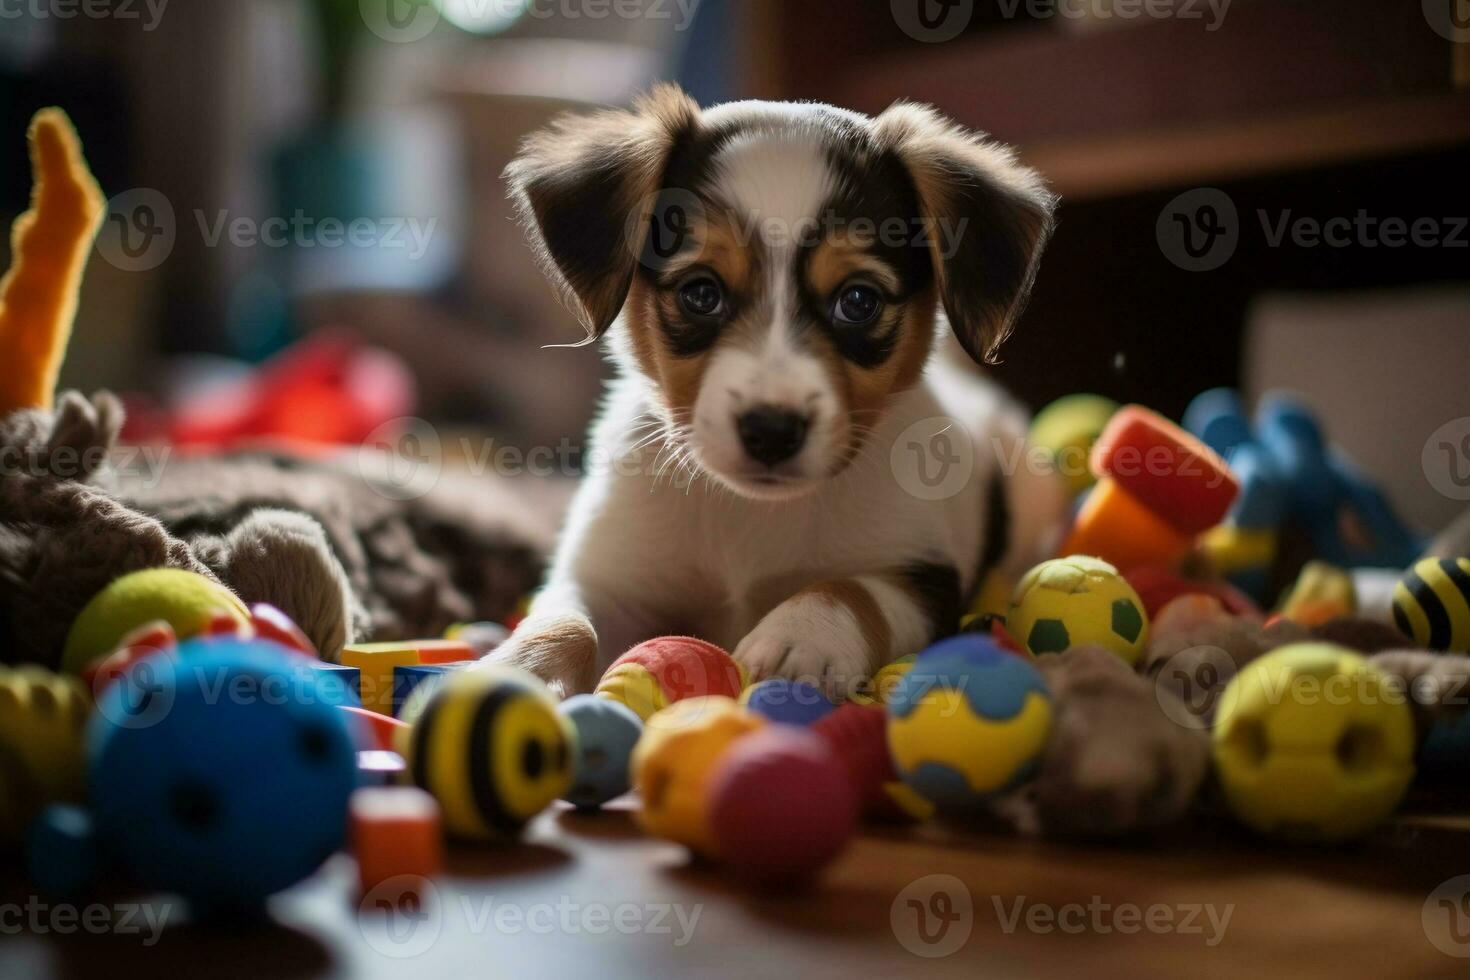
[{"x": 772, "y": 435}]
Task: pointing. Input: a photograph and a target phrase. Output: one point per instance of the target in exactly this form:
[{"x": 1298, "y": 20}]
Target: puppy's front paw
[
  {"x": 560, "y": 649},
  {"x": 811, "y": 639}
]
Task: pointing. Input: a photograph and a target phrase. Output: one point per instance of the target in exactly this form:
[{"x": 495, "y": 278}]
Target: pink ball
[{"x": 780, "y": 806}]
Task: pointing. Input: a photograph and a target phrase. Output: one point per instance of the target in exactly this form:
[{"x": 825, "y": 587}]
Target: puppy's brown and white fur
[{"x": 773, "y": 278}]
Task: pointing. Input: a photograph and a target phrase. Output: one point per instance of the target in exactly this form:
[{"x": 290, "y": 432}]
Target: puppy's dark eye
[
  {"x": 702, "y": 298},
  {"x": 856, "y": 306}
]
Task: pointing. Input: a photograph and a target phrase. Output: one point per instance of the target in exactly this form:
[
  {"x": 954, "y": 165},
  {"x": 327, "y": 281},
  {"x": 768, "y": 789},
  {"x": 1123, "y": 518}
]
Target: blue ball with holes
[
  {"x": 220, "y": 772},
  {"x": 607, "y": 730}
]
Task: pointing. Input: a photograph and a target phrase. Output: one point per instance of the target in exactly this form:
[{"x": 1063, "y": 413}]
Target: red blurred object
[
  {"x": 328, "y": 389},
  {"x": 396, "y": 833},
  {"x": 272, "y": 624},
  {"x": 223, "y": 624},
  {"x": 1158, "y": 587},
  {"x": 780, "y": 806},
  {"x": 141, "y": 643},
  {"x": 380, "y": 730},
  {"x": 1166, "y": 469},
  {"x": 858, "y": 737}
]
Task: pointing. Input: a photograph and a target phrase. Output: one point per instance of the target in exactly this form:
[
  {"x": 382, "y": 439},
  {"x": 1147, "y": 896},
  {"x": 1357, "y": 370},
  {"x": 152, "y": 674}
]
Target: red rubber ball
[
  {"x": 685, "y": 667},
  {"x": 780, "y": 806},
  {"x": 857, "y": 735}
]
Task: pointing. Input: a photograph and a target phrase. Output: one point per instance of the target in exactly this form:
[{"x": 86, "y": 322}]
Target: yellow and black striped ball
[
  {"x": 488, "y": 743},
  {"x": 1431, "y": 603}
]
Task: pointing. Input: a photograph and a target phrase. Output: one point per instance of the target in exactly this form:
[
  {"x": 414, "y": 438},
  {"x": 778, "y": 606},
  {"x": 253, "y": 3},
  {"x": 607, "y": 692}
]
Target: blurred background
[{"x": 308, "y": 235}]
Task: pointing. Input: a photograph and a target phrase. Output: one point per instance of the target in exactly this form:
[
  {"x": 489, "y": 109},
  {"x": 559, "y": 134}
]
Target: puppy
[{"x": 779, "y": 468}]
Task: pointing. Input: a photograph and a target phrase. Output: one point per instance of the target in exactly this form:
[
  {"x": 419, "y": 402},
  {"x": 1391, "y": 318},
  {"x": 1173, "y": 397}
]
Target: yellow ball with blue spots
[
  {"x": 968, "y": 722},
  {"x": 1075, "y": 601},
  {"x": 490, "y": 746},
  {"x": 1431, "y": 603}
]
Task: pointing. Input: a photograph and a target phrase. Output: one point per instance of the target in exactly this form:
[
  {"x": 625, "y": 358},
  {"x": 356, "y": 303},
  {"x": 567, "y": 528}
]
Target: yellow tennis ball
[
  {"x": 1312, "y": 742},
  {"x": 1074, "y": 601},
  {"x": 184, "y": 600},
  {"x": 674, "y": 762},
  {"x": 490, "y": 746},
  {"x": 1066, "y": 429}
]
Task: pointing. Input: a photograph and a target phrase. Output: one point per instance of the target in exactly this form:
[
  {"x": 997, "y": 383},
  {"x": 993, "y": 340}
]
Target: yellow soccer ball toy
[{"x": 1075, "y": 601}]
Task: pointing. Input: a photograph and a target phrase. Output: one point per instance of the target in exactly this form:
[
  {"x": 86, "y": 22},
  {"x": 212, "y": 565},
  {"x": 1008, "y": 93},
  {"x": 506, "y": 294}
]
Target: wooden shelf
[{"x": 1121, "y": 163}]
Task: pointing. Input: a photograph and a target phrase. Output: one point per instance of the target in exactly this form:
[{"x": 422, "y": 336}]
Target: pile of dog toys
[{"x": 203, "y": 747}]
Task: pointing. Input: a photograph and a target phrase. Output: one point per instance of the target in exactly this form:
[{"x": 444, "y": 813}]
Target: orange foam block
[
  {"x": 396, "y": 833},
  {"x": 1166, "y": 469},
  {"x": 444, "y": 651},
  {"x": 1114, "y": 526}
]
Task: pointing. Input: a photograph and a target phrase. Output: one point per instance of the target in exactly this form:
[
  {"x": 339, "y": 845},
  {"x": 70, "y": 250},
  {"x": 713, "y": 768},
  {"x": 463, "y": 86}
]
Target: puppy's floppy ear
[
  {"x": 988, "y": 218},
  {"x": 577, "y": 184}
]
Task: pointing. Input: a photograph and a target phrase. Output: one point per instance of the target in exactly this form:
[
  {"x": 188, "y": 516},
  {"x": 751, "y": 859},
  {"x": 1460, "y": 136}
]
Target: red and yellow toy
[{"x": 660, "y": 672}]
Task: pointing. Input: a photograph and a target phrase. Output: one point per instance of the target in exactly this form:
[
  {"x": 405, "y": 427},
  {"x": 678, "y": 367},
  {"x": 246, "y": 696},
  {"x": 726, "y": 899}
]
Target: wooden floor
[{"x": 588, "y": 896}]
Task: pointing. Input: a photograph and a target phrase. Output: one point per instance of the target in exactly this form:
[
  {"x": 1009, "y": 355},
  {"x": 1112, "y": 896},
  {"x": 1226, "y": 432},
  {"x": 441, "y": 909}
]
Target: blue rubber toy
[
  {"x": 1328, "y": 493},
  {"x": 1289, "y": 475},
  {"x": 221, "y": 774},
  {"x": 787, "y": 702},
  {"x": 607, "y": 730}
]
